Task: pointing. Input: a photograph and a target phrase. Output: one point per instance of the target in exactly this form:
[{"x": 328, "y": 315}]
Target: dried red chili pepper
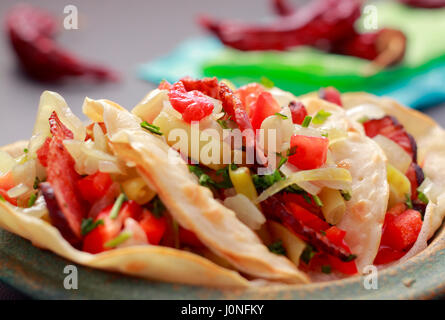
[
  {"x": 275, "y": 209},
  {"x": 322, "y": 21},
  {"x": 282, "y": 8},
  {"x": 325, "y": 24},
  {"x": 31, "y": 32},
  {"x": 429, "y": 4}
]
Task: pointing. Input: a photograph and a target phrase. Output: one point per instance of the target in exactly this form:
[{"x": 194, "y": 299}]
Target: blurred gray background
[{"x": 119, "y": 34}]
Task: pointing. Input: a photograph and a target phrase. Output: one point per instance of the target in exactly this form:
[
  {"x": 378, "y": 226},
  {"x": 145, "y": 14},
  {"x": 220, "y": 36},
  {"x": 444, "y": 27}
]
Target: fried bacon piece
[
  {"x": 275, "y": 209},
  {"x": 61, "y": 184}
]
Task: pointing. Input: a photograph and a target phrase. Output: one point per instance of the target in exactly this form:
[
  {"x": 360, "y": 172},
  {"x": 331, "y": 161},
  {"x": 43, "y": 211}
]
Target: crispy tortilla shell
[{"x": 150, "y": 262}]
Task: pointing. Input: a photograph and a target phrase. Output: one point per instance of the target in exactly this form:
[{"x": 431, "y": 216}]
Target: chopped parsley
[
  {"x": 306, "y": 122},
  {"x": 32, "y": 200},
  {"x": 283, "y": 160},
  {"x": 36, "y": 183},
  {"x": 223, "y": 123},
  {"x": 291, "y": 151},
  {"x": 224, "y": 173},
  {"x": 346, "y": 195},
  {"x": 277, "y": 247},
  {"x": 326, "y": 269},
  {"x": 307, "y": 254},
  {"x": 422, "y": 197},
  {"x": 408, "y": 201},
  {"x": 206, "y": 181},
  {"x": 158, "y": 207},
  {"x": 351, "y": 257},
  {"x": 266, "y": 82},
  {"x": 117, "y": 205},
  {"x": 282, "y": 116},
  {"x": 265, "y": 181},
  {"x": 151, "y": 127},
  {"x": 121, "y": 238},
  {"x": 25, "y": 150},
  {"x": 321, "y": 117},
  {"x": 89, "y": 225},
  {"x": 2, "y": 198}
]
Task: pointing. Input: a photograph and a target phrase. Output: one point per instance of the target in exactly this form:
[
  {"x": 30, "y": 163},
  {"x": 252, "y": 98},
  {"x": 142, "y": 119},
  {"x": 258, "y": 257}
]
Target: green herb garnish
[
  {"x": 317, "y": 201},
  {"x": 36, "y": 183},
  {"x": 89, "y": 225},
  {"x": 158, "y": 207},
  {"x": 291, "y": 151},
  {"x": 32, "y": 200},
  {"x": 117, "y": 206},
  {"x": 307, "y": 198},
  {"x": 351, "y": 257},
  {"x": 25, "y": 150},
  {"x": 2, "y": 198},
  {"x": 282, "y": 116},
  {"x": 408, "y": 201},
  {"x": 226, "y": 183},
  {"x": 363, "y": 119},
  {"x": 422, "y": 197},
  {"x": 307, "y": 254},
  {"x": 306, "y": 122},
  {"x": 223, "y": 123},
  {"x": 266, "y": 82},
  {"x": 283, "y": 160},
  {"x": 151, "y": 127},
  {"x": 265, "y": 181},
  {"x": 321, "y": 117},
  {"x": 121, "y": 238},
  {"x": 326, "y": 269},
  {"x": 346, "y": 195},
  {"x": 277, "y": 248}
]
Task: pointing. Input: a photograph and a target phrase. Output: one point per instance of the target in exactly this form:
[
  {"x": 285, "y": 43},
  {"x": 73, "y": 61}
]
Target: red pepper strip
[
  {"x": 283, "y": 8},
  {"x": 428, "y": 4},
  {"x": 274, "y": 208},
  {"x": 384, "y": 47},
  {"x": 319, "y": 21},
  {"x": 62, "y": 184},
  {"x": 31, "y": 33}
]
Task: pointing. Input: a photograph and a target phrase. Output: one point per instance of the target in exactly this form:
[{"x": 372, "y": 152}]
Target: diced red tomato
[
  {"x": 164, "y": 85},
  {"x": 401, "y": 231},
  {"x": 298, "y": 111},
  {"x": 95, "y": 186},
  {"x": 248, "y": 95},
  {"x": 154, "y": 227},
  {"x": 302, "y": 202},
  {"x": 42, "y": 153},
  {"x": 189, "y": 238},
  {"x": 94, "y": 242},
  {"x": 386, "y": 255},
  {"x": 337, "y": 236},
  {"x": 193, "y": 105},
  {"x": 305, "y": 216},
  {"x": 130, "y": 209},
  {"x": 330, "y": 94},
  {"x": 264, "y": 107},
  {"x": 389, "y": 127},
  {"x": 6, "y": 183},
  {"x": 310, "y": 152}
]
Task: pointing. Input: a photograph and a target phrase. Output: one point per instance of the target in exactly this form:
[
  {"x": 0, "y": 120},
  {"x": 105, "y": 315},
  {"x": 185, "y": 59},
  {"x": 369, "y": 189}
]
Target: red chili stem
[{"x": 275, "y": 209}]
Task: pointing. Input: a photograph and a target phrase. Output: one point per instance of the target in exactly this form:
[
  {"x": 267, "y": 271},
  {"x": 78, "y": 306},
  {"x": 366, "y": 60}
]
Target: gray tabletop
[{"x": 120, "y": 34}]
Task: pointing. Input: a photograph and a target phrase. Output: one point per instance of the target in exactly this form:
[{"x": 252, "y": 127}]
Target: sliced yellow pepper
[
  {"x": 399, "y": 185},
  {"x": 334, "y": 206},
  {"x": 137, "y": 190},
  {"x": 243, "y": 183}
]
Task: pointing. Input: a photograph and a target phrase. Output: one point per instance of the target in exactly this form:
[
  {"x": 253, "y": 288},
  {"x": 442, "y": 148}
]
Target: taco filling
[{"x": 232, "y": 183}]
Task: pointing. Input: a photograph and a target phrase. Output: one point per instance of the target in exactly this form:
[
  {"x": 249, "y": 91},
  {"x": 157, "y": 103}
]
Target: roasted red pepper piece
[
  {"x": 415, "y": 176},
  {"x": 307, "y": 202},
  {"x": 283, "y": 8},
  {"x": 301, "y": 210},
  {"x": 330, "y": 94},
  {"x": 248, "y": 95},
  {"x": 337, "y": 236},
  {"x": 298, "y": 111},
  {"x": 390, "y": 127},
  {"x": 63, "y": 180},
  {"x": 386, "y": 255},
  {"x": 31, "y": 33}
]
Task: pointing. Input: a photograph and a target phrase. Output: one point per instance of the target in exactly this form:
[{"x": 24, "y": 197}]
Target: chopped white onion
[
  {"x": 6, "y": 162},
  {"x": 150, "y": 107},
  {"x": 39, "y": 208},
  {"x": 100, "y": 141},
  {"x": 18, "y": 190},
  {"x": 287, "y": 169},
  {"x": 25, "y": 172},
  {"x": 138, "y": 236},
  {"x": 365, "y": 111},
  {"x": 396, "y": 155},
  {"x": 277, "y": 131},
  {"x": 246, "y": 211},
  {"x": 322, "y": 174}
]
